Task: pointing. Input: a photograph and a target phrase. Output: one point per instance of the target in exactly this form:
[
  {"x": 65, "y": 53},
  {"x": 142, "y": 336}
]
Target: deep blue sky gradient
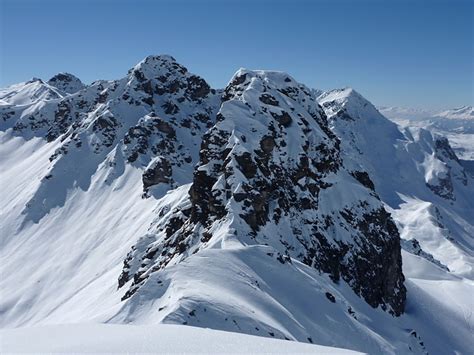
[{"x": 395, "y": 52}]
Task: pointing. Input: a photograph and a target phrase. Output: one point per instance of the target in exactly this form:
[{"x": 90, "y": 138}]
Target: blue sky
[{"x": 395, "y": 52}]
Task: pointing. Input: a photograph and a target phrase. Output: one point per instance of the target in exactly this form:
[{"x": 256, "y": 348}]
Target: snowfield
[{"x": 155, "y": 339}]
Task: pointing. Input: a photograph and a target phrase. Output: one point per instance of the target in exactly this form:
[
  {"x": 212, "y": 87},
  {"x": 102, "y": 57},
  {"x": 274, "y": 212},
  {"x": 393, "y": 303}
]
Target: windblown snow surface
[
  {"x": 153, "y": 339},
  {"x": 99, "y": 184}
]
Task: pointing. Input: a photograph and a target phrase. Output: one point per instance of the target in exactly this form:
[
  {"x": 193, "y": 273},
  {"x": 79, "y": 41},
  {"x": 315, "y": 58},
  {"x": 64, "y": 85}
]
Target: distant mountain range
[
  {"x": 266, "y": 208},
  {"x": 461, "y": 113},
  {"x": 456, "y": 124}
]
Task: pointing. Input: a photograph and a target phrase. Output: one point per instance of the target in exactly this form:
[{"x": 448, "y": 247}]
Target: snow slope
[
  {"x": 156, "y": 199},
  {"x": 426, "y": 188},
  {"x": 29, "y": 92},
  {"x": 65, "y": 260},
  {"x": 157, "y": 339},
  {"x": 416, "y": 173}
]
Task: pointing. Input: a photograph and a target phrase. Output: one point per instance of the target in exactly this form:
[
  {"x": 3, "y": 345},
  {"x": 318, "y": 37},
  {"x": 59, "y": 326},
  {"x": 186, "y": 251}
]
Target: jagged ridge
[{"x": 271, "y": 163}]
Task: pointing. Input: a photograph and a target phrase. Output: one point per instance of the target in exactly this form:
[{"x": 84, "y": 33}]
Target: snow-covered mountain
[
  {"x": 462, "y": 113},
  {"x": 66, "y": 83},
  {"x": 28, "y": 93},
  {"x": 455, "y": 124},
  {"x": 415, "y": 173},
  {"x": 157, "y": 199}
]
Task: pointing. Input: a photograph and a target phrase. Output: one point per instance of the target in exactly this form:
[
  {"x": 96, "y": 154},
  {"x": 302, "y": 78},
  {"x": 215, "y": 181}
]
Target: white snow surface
[
  {"x": 407, "y": 165},
  {"x": 402, "y": 160},
  {"x": 64, "y": 239},
  {"x": 153, "y": 339},
  {"x": 29, "y": 92}
]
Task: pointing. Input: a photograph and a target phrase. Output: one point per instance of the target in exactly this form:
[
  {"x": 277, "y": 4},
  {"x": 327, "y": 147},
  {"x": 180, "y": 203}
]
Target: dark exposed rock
[
  {"x": 139, "y": 75},
  {"x": 342, "y": 115},
  {"x": 413, "y": 246},
  {"x": 158, "y": 172},
  {"x": 384, "y": 254},
  {"x": 444, "y": 188},
  {"x": 364, "y": 179},
  {"x": 234, "y": 87},
  {"x": 170, "y": 108},
  {"x": 147, "y": 87},
  {"x": 102, "y": 98},
  {"x": 443, "y": 148},
  {"x": 267, "y": 144},
  {"x": 66, "y": 83},
  {"x": 60, "y": 77},
  {"x": 204, "y": 201},
  {"x": 62, "y": 118},
  {"x": 330, "y": 297},
  {"x": 105, "y": 127},
  {"x": 282, "y": 118},
  {"x": 269, "y": 100},
  {"x": 246, "y": 165},
  {"x": 166, "y": 128},
  {"x": 197, "y": 87},
  {"x": 258, "y": 214}
]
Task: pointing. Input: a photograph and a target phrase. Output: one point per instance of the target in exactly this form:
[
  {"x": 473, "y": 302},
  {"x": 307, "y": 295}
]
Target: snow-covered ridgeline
[{"x": 249, "y": 209}]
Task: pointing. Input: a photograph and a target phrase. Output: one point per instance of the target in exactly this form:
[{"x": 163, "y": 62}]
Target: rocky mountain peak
[
  {"x": 348, "y": 104},
  {"x": 154, "y": 118},
  {"x": 270, "y": 173},
  {"x": 35, "y": 80},
  {"x": 161, "y": 75},
  {"x": 155, "y": 65},
  {"x": 66, "y": 83},
  {"x": 269, "y": 84},
  {"x": 265, "y": 80}
]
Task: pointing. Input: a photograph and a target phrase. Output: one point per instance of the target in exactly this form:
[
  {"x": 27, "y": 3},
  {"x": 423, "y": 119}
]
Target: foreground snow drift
[{"x": 159, "y": 339}]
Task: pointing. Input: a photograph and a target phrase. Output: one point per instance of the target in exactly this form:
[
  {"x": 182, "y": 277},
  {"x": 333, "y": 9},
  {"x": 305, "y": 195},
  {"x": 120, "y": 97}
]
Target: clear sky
[{"x": 395, "y": 52}]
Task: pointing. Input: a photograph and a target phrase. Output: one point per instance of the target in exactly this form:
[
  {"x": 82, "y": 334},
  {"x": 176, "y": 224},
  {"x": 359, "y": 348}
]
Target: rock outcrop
[
  {"x": 270, "y": 172},
  {"x": 66, "y": 83}
]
